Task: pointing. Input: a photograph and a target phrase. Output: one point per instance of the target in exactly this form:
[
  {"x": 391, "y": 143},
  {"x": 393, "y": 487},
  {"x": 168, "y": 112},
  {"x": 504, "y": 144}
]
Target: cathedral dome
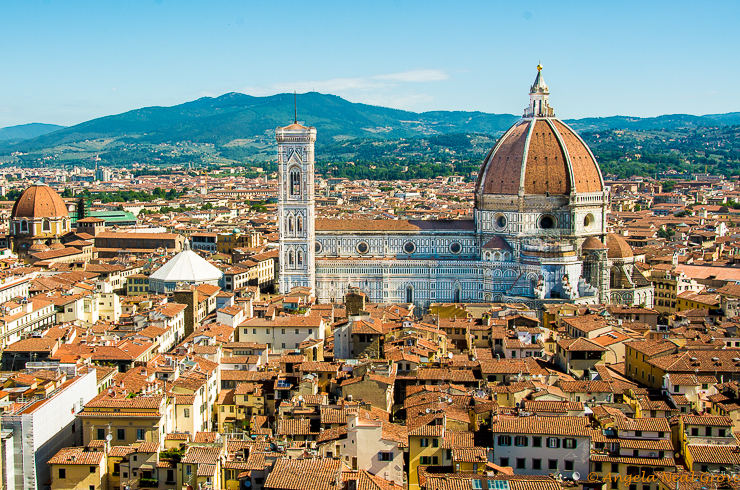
[
  {"x": 39, "y": 201},
  {"x": 539, "y": 155},
  {"x": 618, "y": 247}
]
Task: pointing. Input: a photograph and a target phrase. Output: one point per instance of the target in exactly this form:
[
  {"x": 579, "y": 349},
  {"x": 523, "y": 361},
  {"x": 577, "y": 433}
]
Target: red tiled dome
[
  {"x": 539, "y": 155},
  {"x": 542, "y": 156},
  {"x": 592, "y": 243},
  {"x": 618, "y": 247},
  {"x": 39, "y": 201}
]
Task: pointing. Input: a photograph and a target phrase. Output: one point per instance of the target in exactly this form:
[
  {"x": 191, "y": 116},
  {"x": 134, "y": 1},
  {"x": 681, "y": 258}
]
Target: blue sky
[{"x": 66, "y": 61}]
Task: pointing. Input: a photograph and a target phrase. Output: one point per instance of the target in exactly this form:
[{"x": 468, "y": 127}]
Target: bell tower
[{"x": 296, "y": 206}]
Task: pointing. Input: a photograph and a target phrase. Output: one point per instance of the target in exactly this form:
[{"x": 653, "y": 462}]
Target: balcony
[{"x": 148, "y": 483}]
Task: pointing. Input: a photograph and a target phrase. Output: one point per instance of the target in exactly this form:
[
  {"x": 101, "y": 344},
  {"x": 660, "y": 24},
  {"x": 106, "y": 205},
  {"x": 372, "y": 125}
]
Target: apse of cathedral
[{"x": 538, "y": 235}]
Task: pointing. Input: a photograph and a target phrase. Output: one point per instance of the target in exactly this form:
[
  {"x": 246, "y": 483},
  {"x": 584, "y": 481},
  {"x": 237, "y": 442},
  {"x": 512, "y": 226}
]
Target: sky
[{"x": 65, "y": 61}]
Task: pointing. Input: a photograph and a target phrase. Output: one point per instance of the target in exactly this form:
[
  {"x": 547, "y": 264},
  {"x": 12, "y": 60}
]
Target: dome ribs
[
  {"x": 546, "y": 172},
  {"x": 585, "y": 170},
  {"x": 504, "y": 166}
]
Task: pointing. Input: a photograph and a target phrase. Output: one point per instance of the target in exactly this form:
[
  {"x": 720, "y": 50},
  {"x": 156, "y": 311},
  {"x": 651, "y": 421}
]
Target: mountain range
[
  {"x": 234, "y": 116},
  {"x": 14, "y": 134}
]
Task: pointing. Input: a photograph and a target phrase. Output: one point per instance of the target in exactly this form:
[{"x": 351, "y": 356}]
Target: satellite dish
[
  {"x": 109, "y": 437},
  {"x": 576, "y": 476},
  {"x": 247, "y": 483}
]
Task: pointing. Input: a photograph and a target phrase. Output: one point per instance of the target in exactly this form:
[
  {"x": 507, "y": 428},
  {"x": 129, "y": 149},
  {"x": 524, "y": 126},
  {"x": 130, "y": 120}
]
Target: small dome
[
  {"x": 38, "y": 247},
  {"x": 39, "y": 201},
  {"x": 618, "y": 247},
  {"x": 592, "y": 243}
]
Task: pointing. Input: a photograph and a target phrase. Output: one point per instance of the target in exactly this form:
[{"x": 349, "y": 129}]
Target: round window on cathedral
[
  {"x": 547, "y": 222},
  {"x": 589, "y": 221},
  {"x": 455, "y": 248},
  {"x": 500, "y": 222},
  {"x": 317, "y": 247},
  {"x": 409, "y": 247},
  {"x": 363, "y": 248}
]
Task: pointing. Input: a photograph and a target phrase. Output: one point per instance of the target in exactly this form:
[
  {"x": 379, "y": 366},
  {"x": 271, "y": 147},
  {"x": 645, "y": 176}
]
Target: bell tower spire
[{"x": 539, "y": 95}]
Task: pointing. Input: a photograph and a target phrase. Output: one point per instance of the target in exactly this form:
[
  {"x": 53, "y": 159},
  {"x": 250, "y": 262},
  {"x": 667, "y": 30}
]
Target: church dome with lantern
[
  {"x": 39, "y": 217},
  {"x": 539, "y": 155},
  {"x": 541, "y": 178}
]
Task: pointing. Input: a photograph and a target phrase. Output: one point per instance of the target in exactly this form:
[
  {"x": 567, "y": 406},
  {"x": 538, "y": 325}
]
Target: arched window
[
  {"x": 295, "y": 182},
  {"x": 300, "y": 258},
  {"x": 290, "y": 258},
  {"x": 457, "y": 295},
  {"x": 615, "y": 278},
  {"x": 45, "y": 225},
  {"x": 24, "y": 226},
  {"x": 409, "y": 294},
  {"x": 291, "y": 225},
  {"x": 299, "y": 224}
]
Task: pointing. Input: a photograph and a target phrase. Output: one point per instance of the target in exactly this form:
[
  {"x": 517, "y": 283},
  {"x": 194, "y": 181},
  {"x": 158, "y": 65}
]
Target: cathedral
[{"x": 538, "y": 233}]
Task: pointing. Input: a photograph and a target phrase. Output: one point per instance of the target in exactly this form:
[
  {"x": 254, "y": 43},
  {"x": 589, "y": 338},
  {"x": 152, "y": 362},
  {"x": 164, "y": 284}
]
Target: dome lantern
[{"x": 539, "y": 95}]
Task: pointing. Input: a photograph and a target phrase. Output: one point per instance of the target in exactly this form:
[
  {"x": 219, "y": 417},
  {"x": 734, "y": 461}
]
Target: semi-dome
[
  {"x": 539, "y": 155},
  {"x": 618, "y": 247},
  {"x": 39, "y": 201}
]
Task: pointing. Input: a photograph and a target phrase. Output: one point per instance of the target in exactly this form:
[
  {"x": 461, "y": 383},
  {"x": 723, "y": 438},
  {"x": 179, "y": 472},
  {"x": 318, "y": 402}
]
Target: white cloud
[
  {"x": 415, "y": 76},
  {"x": 376, "y": 89}
]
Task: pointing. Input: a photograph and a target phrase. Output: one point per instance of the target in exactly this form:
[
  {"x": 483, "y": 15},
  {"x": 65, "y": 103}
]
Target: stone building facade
[{"x": 538, "y": 235}]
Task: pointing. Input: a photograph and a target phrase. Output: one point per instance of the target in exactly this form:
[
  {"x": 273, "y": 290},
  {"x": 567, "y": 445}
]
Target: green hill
[
  {"x": 237, "y": 116},
  {"x": 356, "y": 140},
  {"x": 234, "y": 116},
  {"x": 26, "y": 131}
]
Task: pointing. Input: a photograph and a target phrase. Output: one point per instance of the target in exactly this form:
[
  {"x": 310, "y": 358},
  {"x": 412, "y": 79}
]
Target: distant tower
[{"x": 296, "y": 206}]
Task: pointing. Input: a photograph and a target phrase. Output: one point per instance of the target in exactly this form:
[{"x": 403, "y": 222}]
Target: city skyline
[{"x": 75, "y": 61}]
